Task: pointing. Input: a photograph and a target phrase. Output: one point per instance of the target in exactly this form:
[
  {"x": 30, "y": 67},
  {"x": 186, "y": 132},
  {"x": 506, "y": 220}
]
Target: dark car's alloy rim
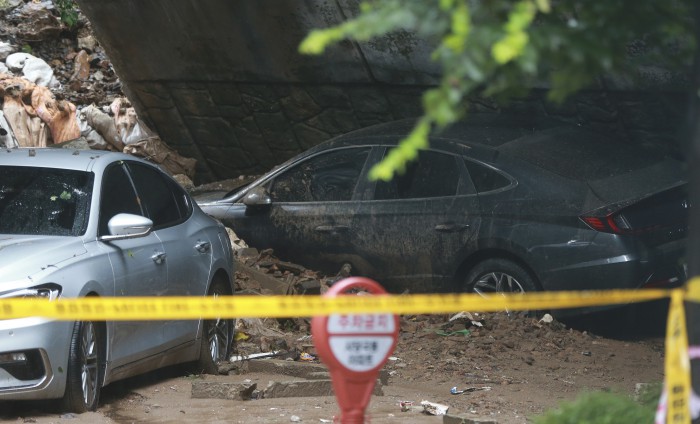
[
  {"x": 89, "y": 365},
  {"x": 497, "y": 282},
  {"x": 218, "y": 335}
]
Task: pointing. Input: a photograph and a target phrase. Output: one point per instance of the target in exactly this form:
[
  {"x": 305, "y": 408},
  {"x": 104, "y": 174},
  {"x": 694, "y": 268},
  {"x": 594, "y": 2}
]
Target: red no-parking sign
[{"x": 355, "y": 347}]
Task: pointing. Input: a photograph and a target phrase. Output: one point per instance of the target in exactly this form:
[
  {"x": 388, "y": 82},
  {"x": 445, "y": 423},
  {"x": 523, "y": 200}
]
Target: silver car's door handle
[
  {"x": 159, "y": 257},
  {"x": 332, "y": 228},
  {"x": 202, "y": 246},
  {"x": 451, "y": 228}
]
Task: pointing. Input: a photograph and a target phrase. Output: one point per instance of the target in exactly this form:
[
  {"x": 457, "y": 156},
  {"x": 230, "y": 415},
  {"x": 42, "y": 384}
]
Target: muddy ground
[{"x": 511, "y": 368}]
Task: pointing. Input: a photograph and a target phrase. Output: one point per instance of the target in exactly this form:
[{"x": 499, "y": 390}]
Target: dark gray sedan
[
  {"x": 485, "y": 208},
  {"x": 89, "y": 223}
]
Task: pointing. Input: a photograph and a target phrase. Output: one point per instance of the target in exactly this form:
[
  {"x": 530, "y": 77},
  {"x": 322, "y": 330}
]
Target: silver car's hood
[{"x": 25, "y": 256}]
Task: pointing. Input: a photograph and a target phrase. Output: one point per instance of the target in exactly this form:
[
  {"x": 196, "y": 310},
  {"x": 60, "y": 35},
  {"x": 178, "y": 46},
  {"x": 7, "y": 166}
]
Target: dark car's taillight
[{"x": 614, "y": 223}]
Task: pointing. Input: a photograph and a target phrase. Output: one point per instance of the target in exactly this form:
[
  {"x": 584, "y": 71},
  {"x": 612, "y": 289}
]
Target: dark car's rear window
[{"x": 583, "y": 155}]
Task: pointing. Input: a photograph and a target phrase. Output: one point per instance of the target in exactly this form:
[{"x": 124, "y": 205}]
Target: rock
[
  {"x": 245, "y": 252},
  {"x": 288, "y": 266},
  {"x": 308, "y": 287},
  {"x": 222, "y": 390},
  {"x": 37, "y": 71},
  {"x": 38, "y": 23},
  {"x": 184, "y": 181},
  {"x": 81, "y": 67},
  {"x": 87, "y": 42},
  {"x": 15, "y": 61},
  {"x": 465, "y": 419},
  {"x": 6, "y": 49},
  {"x": 284, "y": 389},
  {"x": 9, "y": 4},
  {"x": 304, "y": 370}
]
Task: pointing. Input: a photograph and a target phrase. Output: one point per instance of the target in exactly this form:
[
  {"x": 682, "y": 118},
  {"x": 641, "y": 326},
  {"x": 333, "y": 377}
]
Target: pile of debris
[{"x": 39, "y": 98}]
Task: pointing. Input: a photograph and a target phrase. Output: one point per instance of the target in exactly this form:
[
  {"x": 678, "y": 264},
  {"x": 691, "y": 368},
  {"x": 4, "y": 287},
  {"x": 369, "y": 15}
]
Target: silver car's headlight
[{"x": 45, "y": 291}]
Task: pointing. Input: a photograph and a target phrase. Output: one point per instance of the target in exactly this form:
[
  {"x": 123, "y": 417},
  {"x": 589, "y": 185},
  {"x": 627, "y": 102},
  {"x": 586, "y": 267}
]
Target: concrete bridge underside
[{"x": 221, "y": 80}]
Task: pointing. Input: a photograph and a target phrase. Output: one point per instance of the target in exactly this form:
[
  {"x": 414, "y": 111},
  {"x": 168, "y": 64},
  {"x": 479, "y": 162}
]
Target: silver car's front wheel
[
  {"x": 84, "y": 375},
  {"x": 217, "y": 336}
]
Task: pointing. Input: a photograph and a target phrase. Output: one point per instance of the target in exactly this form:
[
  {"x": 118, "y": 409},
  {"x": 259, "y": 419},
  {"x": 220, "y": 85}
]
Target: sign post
[{"x": 354, "y": 347}]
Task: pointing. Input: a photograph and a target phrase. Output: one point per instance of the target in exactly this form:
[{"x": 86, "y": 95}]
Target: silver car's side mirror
[
  {"x": 257, "y": 196},
  {"x": 126, "y": 225}
]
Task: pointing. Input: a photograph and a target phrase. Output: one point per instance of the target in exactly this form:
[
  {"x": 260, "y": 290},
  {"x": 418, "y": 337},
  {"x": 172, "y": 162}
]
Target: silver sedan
[{"x": 87, "y": 223}]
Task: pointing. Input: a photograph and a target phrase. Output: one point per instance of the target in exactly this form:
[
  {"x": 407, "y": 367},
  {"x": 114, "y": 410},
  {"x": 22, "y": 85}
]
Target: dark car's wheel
[
  {"x": 217, "y": 336},
  {"x": 499, "y": 276},
  {"x": 84, "y": 375}
]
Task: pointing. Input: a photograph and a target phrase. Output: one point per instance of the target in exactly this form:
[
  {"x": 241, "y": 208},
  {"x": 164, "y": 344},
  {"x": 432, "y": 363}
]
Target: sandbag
[
  {"x": 59, "y": 115},
  {"x": 104, "y": 125},
  {"x": 157, "y": 151}
]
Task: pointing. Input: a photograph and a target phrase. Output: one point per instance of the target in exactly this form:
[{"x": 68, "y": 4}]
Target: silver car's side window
[
  {"x": 162, "y": 204},
  {"x": 118, "y": 196}
]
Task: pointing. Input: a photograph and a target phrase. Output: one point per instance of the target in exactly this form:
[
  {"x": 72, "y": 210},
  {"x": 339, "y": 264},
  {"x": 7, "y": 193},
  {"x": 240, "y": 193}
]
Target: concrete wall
[{"x": 221, "y": 80}]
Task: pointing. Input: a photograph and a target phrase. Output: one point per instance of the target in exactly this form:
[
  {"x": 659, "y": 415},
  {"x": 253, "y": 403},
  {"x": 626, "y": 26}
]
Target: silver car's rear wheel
[{"x": 84, "y": 375}]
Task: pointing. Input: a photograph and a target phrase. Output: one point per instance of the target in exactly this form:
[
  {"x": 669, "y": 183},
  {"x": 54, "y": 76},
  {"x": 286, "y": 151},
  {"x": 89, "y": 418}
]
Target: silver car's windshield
[{"x": 44, "y": 201}]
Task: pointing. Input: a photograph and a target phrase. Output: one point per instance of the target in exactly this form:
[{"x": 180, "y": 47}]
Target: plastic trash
[
  {"x": 433, "y": 408},
  {"x": 456, "y": 391},
  {"x": 307, "y": 357}
]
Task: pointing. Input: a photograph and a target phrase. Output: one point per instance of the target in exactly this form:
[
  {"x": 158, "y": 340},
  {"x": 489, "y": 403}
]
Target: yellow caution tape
[
  {"x": 677, "y": 364},
  {"x": 163, "y": 308}
]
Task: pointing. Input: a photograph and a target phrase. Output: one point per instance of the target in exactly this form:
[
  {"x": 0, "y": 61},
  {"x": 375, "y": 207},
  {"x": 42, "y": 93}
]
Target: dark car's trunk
[{"x": 651, "y": 202}]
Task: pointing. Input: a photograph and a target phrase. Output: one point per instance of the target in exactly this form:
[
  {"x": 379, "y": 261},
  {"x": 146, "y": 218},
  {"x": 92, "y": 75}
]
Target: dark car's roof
[
  {"x": 479, "y": 129},
  {"x": 570, "y": 151},
  {"x": 584, "y": 155}
]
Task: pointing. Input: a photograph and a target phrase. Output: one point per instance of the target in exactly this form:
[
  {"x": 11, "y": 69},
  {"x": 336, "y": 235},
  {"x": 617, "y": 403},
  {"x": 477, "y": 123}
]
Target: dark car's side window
[
  {"x": 327, "y": 177},
  {"x": 433, "y": 174},
  {"x": 118, "y": 196},
  {"x": 484, "y": 178},
  {"x": 157, "y": 196}
]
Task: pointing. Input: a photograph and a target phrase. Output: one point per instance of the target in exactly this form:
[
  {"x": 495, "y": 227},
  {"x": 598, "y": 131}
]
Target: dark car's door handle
[
  {"x": 202, "y": 246},
  {"x": 159, "y": 257},
  {"x": 451, "y": 228},
  {"x": 332, "y": 228}
]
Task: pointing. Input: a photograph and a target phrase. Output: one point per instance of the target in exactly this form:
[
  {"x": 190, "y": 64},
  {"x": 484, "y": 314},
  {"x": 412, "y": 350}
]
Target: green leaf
[
  {"x": 509, "y": 47},
  {"x": 316, "y": 42},
  {"x": 398, "y": 157}
]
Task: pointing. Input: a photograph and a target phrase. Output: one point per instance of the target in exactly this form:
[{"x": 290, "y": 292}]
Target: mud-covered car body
[
  {"x": 484, "y": 208},
  {"x": 89, "y": 223}
]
